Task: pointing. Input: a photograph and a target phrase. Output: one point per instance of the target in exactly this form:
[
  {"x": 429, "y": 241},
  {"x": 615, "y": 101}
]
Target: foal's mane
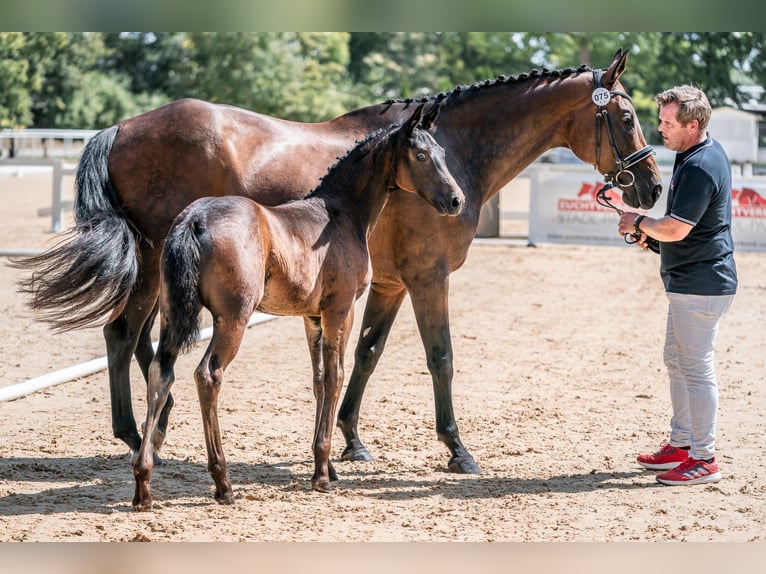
[
  {"x": 343, "y": 171},
  {"x": 501, "y": 80}
]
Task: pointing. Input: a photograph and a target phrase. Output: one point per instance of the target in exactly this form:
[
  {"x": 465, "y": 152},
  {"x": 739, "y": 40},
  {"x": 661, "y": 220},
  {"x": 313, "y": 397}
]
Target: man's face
[{"x": 676, "y": 136}]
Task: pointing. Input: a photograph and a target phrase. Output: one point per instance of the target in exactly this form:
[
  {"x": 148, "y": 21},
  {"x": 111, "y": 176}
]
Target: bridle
[
  {"x": 601, "y": 97},
  {"x": 603, "y": 200},
  {"x": 621, "y": 176}
]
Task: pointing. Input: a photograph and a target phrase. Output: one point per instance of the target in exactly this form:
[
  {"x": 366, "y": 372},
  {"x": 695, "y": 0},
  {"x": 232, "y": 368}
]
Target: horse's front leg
[
  {"x": 430, "y": 304},
  {"x": 334, "y": 341},
  {"x": 313, "y": 328},
  {"x": 379, "y": 314}
]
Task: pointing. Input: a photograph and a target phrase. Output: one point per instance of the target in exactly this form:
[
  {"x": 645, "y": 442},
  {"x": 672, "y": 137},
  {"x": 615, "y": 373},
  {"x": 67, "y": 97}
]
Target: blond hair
[{"x": 692, "y": 104}]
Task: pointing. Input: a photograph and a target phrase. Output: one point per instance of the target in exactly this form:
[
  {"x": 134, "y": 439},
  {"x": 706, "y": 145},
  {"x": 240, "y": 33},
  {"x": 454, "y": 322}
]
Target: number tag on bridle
[{"x": 601, "y": 96}]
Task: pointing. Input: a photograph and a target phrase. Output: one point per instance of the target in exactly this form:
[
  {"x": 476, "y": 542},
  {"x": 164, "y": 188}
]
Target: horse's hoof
[
  {"x": 224, "y": 494},
  {"x": 321, "y": 485},
  {"x": 142, "y": 506},
  {"x": 464, "y": 465},
  {"x": 157, "y": 460},
  {"x": 359, "y": 454},
  {"x": 158, "y": 439}
]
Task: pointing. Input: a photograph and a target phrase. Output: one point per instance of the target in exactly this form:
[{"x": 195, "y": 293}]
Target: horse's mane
[
  {"x": 343, "y": 170},
  {"x": 501, "y": 80},
  {"x": 340, "y": 173}
]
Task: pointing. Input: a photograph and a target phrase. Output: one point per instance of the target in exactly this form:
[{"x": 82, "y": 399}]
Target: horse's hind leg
[
  {"x": 160, "y": 378},
  {"x": 122, "y": 335},
  {"x": 379, "y": 314},
  {"x": 144, "y": 354},
  {"x": 223, "y": 346}
]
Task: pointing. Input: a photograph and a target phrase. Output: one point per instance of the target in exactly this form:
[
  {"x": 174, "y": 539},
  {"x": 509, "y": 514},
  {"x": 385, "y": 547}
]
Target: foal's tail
[
  {"x": 94, "y": 266},
  {"x": 180, "y": 302}
]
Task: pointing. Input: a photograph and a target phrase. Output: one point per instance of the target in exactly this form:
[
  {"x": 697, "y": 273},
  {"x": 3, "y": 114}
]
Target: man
[{"x": 700, "y": 278}]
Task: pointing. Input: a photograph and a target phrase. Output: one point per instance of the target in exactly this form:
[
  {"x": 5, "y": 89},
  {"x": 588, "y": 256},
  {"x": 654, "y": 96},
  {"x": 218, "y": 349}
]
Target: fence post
[
  {"x": 489, "y": 218},
  {"x": 57, "y": 203}
]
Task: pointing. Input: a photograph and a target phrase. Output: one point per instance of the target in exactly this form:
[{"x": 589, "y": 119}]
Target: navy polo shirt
[{"x": 700, "y": 194}]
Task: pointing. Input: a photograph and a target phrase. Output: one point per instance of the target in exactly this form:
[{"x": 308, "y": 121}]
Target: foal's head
[{"x": 419, "y": 164}]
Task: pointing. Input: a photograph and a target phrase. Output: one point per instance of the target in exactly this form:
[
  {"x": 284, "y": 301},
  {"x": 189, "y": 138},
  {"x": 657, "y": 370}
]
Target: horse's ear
[
  {"x": 615, "y": 69},
  {"x": 430, "y": 117},
  {"x": 414, "y": 119}
]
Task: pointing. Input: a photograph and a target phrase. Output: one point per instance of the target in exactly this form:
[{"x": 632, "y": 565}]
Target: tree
[
  {"x": 57, "y": 79},
  {"x": 149, "y": 60},
  {"x": 15, "y": 82},
  {"x": 298, "y": 76}
]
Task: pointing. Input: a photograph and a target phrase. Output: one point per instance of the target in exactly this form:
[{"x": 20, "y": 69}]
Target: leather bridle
[{"x": 621, "y": 174}]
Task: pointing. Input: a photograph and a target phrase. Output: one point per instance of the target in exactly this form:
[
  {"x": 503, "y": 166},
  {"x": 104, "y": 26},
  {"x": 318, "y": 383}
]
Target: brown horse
[
  {"x": 307, "y": 257},
  {"x": 135, "y": 177}
]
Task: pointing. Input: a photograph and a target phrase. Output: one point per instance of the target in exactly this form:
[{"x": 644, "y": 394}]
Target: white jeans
[{"x": 689, "y": 355}]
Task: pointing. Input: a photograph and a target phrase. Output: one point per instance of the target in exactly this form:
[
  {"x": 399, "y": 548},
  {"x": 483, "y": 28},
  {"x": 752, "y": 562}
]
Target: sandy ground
[{"x": 559, "y": 383}]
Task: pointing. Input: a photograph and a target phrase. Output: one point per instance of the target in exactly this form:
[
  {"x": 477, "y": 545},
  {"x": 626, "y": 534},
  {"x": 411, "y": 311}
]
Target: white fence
[
  {"x": 43, "y": 144},
  {"x": 57, "y": 149},
  {"x": 59, "y": 169}
]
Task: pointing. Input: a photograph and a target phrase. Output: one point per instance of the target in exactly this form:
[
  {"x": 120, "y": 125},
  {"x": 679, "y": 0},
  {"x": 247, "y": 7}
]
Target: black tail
[
  {"x": 180, "y": 273},
  {"x": 93, "y": 268}
]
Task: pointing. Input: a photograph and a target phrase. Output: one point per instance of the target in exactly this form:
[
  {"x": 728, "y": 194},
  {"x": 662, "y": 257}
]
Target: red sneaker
[
  {"x": 665, "y": 458},
  {"x": 691, "y": 471}
]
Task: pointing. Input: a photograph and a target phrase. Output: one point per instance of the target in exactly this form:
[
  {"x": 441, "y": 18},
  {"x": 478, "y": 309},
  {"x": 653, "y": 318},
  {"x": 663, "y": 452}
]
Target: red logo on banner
[
  {"x": 748, "y": 203},
  {"x": 586, "y": 199}
]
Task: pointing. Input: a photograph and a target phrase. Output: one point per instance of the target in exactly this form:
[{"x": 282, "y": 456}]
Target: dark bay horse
[
  {"x": 307, "y": 257},
  {"x": 135, "y": 177}
]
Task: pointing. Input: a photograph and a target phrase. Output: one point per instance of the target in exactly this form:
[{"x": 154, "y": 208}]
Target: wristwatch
[{"x": 637, "y": 224}]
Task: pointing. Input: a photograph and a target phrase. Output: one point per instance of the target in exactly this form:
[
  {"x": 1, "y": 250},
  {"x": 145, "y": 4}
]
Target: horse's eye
[
  {"x": 421, "y": 156},
  {"x": 627, "y": 119}
]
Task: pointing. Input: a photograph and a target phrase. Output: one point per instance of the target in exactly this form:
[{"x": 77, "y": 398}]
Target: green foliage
[
  {"x": 299, "y": 76},
  {"x": 15, "y": 100},
  {"x": 91, "y": 80}
]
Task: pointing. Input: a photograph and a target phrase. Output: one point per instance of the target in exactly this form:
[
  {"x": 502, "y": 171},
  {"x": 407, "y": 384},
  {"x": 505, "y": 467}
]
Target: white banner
[{"x": 563, "y": 209}]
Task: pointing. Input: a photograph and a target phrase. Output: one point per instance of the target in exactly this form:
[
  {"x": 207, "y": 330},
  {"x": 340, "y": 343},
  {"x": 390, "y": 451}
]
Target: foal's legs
[
  {"x": 379, "y": 314},
  {"x": 160, "y": 379},
  {"x": 313, "y": 328},
  {"x": 227, "y": 336},
  {"x": 144, "y": 354},
  {"x": 334, "y": 341}
]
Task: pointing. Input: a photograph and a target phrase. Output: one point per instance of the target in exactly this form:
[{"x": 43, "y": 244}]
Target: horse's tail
[
  {"x": 92, "y": 269},
  {"x": 180, "y": 282}
]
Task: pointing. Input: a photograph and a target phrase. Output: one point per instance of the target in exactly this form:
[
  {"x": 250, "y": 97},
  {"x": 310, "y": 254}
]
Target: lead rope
[{"x": 630, "y": 238}]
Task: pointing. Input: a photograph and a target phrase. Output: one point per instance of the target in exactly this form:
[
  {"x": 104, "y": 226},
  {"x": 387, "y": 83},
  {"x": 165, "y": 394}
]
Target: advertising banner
[{"x": 563, "y": 209}]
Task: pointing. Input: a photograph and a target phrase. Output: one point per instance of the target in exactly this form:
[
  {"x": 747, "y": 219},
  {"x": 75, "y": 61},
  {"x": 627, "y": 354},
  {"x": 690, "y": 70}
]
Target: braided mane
[
  {"x": 500, "y": 80},
  {"x": 343, "y": 171}
]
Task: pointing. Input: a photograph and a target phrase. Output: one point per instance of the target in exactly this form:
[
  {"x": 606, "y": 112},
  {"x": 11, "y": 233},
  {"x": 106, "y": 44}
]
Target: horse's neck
[
  {"x": 503, "y": 129},
  {"x": 358, "y": 188},
  {"x": 494, "y": 132},
  {"x": 369, "y": 194}
]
